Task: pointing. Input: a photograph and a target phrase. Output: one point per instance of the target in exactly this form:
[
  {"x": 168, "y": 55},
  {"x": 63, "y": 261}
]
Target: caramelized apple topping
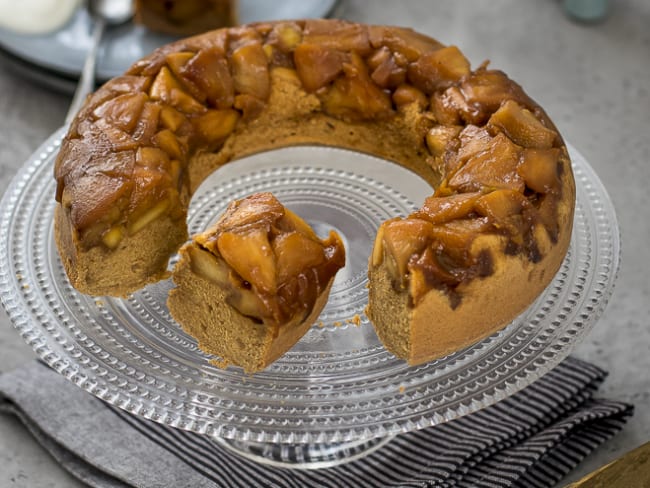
[
  {"x": 123, "y": 164},
  {"x": 269, "y": 259},
  {"x": 421, "y": 255}
]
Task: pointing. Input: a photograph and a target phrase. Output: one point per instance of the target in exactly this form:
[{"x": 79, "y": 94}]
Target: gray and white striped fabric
[{"x": 532, "y": 439}]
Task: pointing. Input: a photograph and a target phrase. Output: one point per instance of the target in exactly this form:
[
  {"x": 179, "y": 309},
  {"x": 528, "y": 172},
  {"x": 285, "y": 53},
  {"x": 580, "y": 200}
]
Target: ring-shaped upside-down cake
[{"x": 480, "y": 249}]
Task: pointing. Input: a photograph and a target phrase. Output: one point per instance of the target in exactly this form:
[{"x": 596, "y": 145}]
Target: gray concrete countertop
[{"x": 593, "y": 80}]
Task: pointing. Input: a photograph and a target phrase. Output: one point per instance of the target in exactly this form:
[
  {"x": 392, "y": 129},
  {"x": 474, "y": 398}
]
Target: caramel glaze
[{"x": 124, "y": 159}]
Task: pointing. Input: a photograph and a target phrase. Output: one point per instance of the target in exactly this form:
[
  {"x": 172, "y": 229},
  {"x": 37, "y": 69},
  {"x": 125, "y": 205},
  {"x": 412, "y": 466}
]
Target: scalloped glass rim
[{"x": 287, "y": 405}]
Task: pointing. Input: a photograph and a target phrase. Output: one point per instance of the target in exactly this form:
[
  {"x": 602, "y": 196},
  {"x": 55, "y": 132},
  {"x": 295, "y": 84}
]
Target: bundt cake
[{"x": 480, "y": 249}]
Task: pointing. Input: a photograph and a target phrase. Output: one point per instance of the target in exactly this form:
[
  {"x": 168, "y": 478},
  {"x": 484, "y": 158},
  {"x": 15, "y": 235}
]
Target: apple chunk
[
  {"x": 520, "y": 125},
  {"x": 251, "y": 256},
  {"x": 495, "y": 167}
]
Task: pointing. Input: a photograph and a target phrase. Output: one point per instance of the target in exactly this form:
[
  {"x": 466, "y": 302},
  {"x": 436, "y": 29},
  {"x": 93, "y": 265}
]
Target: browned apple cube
[
  {"x": 152, "y": 157},
  {"x": 457, "y": 236},
  {"x": 340, "y": 35},
  {"x": 378, "y": 57},
  {"x": 251, "y": 256},
  {"x": 438, "y": 69},
  {"x": 215, "y": 125},
  {"x": 208, "y": 70},
  {"x": 449, "y": 107},
  {"x": 439, "y": 210},
  {"x": 521, "y": 125},
  {"x": 485, "y": 90},
  {"x": 496, "y": 167},
  {"x": 317, "y": 65},
  {"x": 389, "y": 74},
  {"x": 439, "y": 137},
  {"x": 249, "y": 105},
  {"x": 147, "y": 126},
  {"x": 473, "y": 140},
  {"x": 150, "y": 186},
  {"x": 405, "y": 41},
  {"x": 285, "y": 35},
  {"x": 162, "y": 85},
  {"x": 296, "y": 253},
  {"x": 404, "y": 238},
  {"x": 500, "y": 205},
  {"x": 355, "y": 95},
  {"x": 260, "y": 209},
  {"x": 539, "y": 169},
  {"x": 95, "y": 195},
  {"x": 408, "y": 94},
  {"x": 177, "y": 60},
  {"x": 122, "y": 111},
  {"x": 171, "y": 118},
  {"x": 185, "y": 102},
  {"x": 168, "y": 142},
  {"x": 250, "y": 70}
]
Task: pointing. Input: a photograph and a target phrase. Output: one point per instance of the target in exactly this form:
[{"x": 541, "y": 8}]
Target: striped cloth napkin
[{"x": 531, "y": 439}]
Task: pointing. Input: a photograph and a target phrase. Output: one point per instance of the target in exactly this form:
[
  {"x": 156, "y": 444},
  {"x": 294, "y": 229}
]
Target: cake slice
[{"x": 250, "y": 287}]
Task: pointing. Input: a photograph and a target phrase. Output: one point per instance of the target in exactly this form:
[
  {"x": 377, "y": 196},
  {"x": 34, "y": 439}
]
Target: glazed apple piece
[
  {"x": 169, "y": 90},
  {"x": 387, "y": 70},
  {"x": 439, "y": 137},
  {"x": 296, "y": 252},
  {"x": 520, "y": 125},
  {"x": 250, "y": 70},
  {"x": 404, "y": 41},
  {"x": 401, "y": 239},
  {"x": 355, "y": 95},
  {"x": 484, "y": 90},
  {"x": 171, "y": 118},
  {"x": 539, "y": 169},
  {"x": 286, "y": 36},
  {"x": 317, "y": 65},
  {"x": 495, "y": 167},
  {"x": 406, "y": 94},
  {"x": 149, "y": 199},
  {"x": 123, "y": 111},
  {"x": 215, "y": 125},
  {"x": 439, "y": 210},
  {"x": 427, "y": 273},
  {"x": 100, "y": 194},
  {"x": 250, "y": 254},
  {"x": 438, "y": 69},
  {"x": 168, "y": 142},
  {"x": 208, "y": 70},
  {"x": 504, "y": 209},
  {"x": 448, "y": 106},
  {"x": 457, "y": 236},
  {"x": 342, "y": 36},
  {"x": 448, "y": 260}
]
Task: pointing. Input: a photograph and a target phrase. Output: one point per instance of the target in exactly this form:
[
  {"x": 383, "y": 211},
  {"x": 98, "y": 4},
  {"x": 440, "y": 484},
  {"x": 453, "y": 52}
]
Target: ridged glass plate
[{"x": 337, "y": 386}]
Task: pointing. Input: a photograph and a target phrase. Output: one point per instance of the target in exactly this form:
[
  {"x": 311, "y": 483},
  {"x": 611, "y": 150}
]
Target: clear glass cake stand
[{"x": 337, "y": 395}]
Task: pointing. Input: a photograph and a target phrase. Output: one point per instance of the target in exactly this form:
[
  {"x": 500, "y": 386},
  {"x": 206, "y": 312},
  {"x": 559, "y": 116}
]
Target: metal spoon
[{"x": 104, "y": 13}]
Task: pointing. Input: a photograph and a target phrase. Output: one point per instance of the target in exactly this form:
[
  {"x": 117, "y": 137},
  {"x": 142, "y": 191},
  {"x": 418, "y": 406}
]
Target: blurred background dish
[{"x": 57, "y": 58}]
